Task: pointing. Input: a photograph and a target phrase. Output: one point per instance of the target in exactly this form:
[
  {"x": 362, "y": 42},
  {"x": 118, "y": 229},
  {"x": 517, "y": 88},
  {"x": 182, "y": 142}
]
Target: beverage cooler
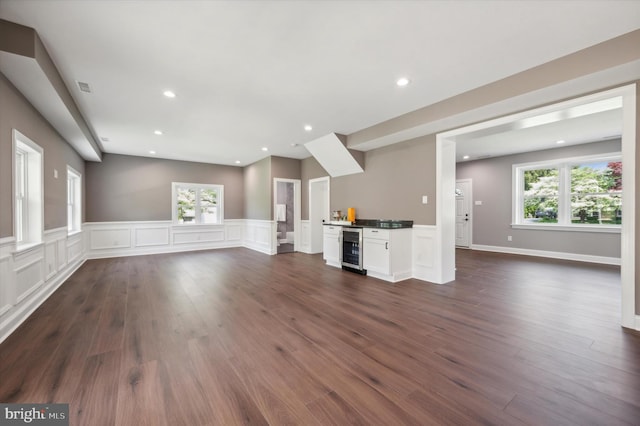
[{"x": 351, "y": 250}]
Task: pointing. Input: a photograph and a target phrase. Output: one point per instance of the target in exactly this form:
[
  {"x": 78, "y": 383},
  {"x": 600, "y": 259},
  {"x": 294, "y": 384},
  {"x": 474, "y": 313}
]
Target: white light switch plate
[
  {"x": 425, "y": 199},
  {"x": 55, "y": 174},
  {"x": 478, "y": 203}
]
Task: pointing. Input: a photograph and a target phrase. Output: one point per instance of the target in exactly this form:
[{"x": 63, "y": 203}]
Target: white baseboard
[
  {"x": 638, "y": 322},
  {"x": 549, "y": 254}
]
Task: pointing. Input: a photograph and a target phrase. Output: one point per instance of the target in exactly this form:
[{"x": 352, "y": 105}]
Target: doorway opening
[
  {"x": 286, "y": 212},
  {"x": 446, "y": 175}
]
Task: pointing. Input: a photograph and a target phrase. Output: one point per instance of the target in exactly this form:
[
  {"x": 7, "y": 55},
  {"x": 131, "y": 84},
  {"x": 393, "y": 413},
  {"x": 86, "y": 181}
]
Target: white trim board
[{"x": 549, "y": 254}]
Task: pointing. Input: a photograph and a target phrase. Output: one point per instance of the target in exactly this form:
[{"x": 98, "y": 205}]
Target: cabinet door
[
  {"x": 375, "y": 255},
  {"x": 331, "y": 247}
]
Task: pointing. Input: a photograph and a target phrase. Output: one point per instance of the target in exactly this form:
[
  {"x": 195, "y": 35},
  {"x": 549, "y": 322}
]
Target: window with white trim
[
  {"x": 195, "y": 203},
  {"x": 74, "y": 200},
  {"x": 28, "y": 204},
  {"x": 572, "y": 192}
]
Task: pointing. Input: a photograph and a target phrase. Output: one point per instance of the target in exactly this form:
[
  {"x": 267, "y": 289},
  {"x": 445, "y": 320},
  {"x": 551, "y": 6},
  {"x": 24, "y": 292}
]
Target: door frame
[
  {"x": 445, "y": 178},
  {"x": 312, "y": 209},
  {"x": 297, "y": 223},
  {"x": 470, "y": 195}
]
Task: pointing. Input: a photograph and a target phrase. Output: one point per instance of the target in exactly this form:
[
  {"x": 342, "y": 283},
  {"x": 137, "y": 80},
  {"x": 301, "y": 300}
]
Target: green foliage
[{"x": 541, "y": 193}]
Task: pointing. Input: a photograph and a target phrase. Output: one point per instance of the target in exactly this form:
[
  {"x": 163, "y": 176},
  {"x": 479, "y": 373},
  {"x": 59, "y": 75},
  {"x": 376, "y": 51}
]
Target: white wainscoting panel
[
  {"x": 162, "y": 236},
  {"x": 260, "y": 235},
  {"x": 425, "y": 249},
  {"x": 234, "y": 229},
  {"x": 61, "y": 250},
  {"x": 152, "y": 236},
  {"x": 198, "y": 236},
  {"x": 29, "y": 277},
  {"x": 52, "y": 239},
  {"x": 29, "y": 271},
  {"x": 110, "y": 238},
  {"x": 75, "y": 248},
  {"x": 7, "y": 279},
  {"x": 50, "y": 259}
]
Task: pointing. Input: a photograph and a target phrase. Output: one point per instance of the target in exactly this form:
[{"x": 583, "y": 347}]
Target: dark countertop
[{"x": 377, "y": 223}]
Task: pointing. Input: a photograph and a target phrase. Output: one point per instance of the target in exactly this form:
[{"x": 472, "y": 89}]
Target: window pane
[
  {"x": 208, "y": 206},
  {"x": 20, "y": 174},
  {"x": 540, "y": 196},
  {"x": 186, "y": 205},
  {"x": 601, "y": 209},
  {"x": 596, "y": 193}
]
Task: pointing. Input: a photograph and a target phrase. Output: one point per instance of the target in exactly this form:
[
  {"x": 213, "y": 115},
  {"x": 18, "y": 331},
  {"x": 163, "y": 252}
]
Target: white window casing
[
  {"x": 74, "y": 201},
  {"x": 197, "y": 204},
  {"x": 564, "y": 215},
  {"x": 28, "y": 190}
]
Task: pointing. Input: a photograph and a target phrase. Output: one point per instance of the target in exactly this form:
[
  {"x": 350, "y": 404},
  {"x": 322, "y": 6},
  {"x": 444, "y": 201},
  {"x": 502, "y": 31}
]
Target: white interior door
[
  {"x": 463, "y": 212},
  {"x": 318, "y": 211}
]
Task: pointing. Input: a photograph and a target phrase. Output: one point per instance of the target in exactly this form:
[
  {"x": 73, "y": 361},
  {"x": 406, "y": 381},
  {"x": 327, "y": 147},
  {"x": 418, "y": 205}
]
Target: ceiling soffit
[{"x": 28, "y": 66}]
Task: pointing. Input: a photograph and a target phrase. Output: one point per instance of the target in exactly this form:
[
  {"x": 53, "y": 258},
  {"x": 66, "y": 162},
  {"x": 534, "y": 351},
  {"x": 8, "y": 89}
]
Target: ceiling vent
[{"x": 84, "y": 87}]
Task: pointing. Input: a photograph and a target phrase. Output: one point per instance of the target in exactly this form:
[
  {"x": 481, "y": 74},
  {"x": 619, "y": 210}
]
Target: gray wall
[
  {"x": 258, "y": 184},
  {"x": 126, "y": 188},
  {"x": 257, "y": 190},
  {"x": 394, "y": 180},
  {"x": 492, "y": 184},
  {"x": 16, "y": 112},
  {"x": 285, "y": 168}
]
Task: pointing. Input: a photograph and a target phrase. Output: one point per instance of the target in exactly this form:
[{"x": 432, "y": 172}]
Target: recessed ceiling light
[
  {"x": 560, "y": 141},
  {"x": 169, "y": 94},
  {"x": 264, "y": 148},
  {"x": 157, "y": 132},
  {"x": 402, "y": 81},
  {"x": 237, "y": 161},
  {"x": 308, "y": 128},
  {"x": 466, "y": 157},
  {"x": 152, "y": 152}
]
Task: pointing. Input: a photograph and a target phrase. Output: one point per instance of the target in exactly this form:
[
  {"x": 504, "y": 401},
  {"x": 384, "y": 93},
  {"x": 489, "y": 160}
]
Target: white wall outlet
[
  {"x": 425, "y": 199},
  {"x": 478, "y": 203},
  {"x": 55, "y": 174},
  {"x": 509, "y": 238}
]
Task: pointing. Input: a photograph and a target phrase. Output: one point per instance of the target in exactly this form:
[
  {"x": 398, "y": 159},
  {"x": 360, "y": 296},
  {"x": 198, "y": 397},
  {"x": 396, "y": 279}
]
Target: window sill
[
  {"x": 72, "y": 233},
  {"x": 22, "y": 248},
  {"x": 195, "y": 225},
  {"x": 609, "y": 229}
]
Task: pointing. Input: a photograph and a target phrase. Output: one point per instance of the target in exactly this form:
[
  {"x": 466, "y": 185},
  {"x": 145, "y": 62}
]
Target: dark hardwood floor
[{"x": 233, "y": 336}]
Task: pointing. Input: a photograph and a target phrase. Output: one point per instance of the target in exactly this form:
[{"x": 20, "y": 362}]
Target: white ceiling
[
  {"x": 251, "y": 74},
  {"x": 564, "y": 126}
]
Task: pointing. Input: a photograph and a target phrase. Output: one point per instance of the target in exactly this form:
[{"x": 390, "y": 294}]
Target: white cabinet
[
  {"x": 386, "y": 253},
  {"x": 331, "y": 245}
]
